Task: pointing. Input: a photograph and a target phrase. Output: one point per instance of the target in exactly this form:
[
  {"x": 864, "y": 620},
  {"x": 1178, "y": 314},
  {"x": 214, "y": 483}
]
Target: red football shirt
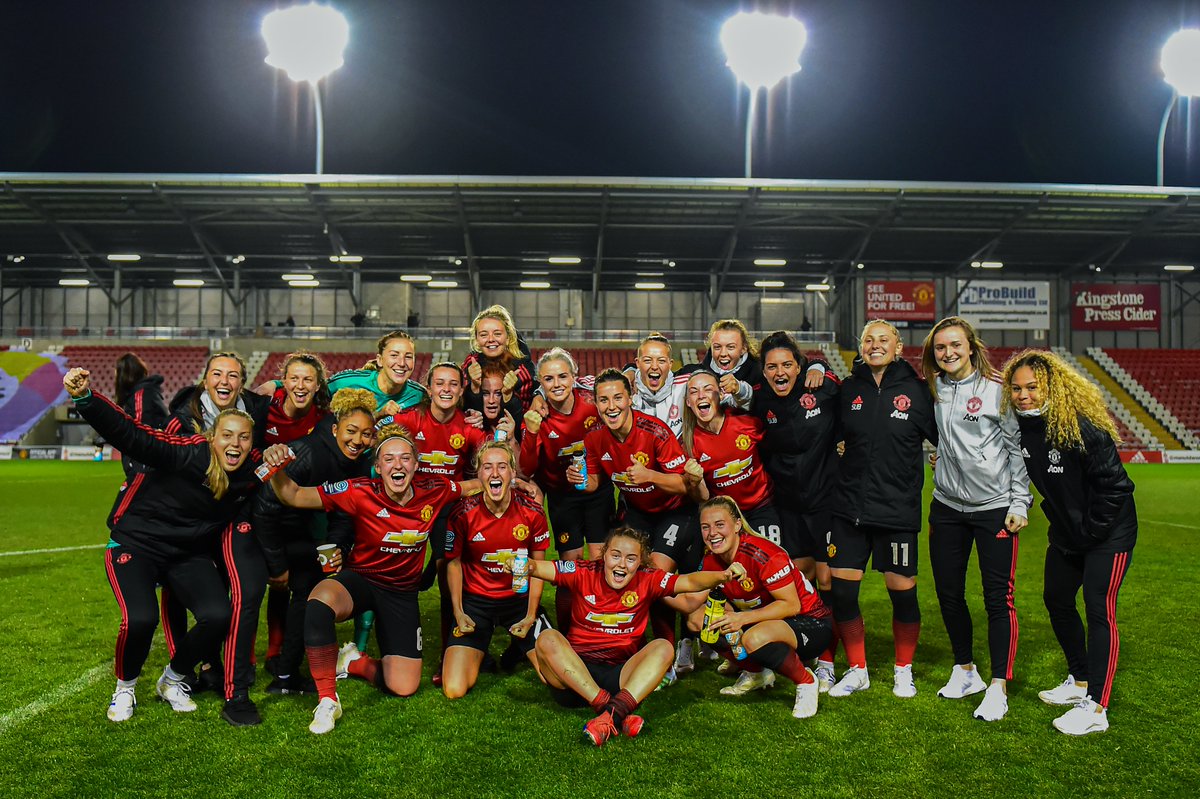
[
  {"x": 768, "y": 566},
  {"x": 732, "y": 466},
  {"x": 283, "y": 429},
  {"x": 547, "y": 456},
  {"x": 607, "y": 625},
  {"x": 480, "y": 539},
  {"x": 389, "y": 539},
  {"x": 650, "y": 442},
  {"x": 444, "y": 449}
]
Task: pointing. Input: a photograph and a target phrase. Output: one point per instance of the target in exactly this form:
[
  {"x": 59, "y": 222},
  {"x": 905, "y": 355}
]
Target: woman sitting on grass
[
  {"x": 163, "y": 530},
  {"x": 601, "y": 661}
]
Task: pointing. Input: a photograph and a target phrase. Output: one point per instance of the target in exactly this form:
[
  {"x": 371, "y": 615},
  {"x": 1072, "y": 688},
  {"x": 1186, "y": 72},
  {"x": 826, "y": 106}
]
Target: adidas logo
[
  {"x": 591, "y": 598},
  {"x": 420, "y": 436},
  {"x": 857, "y": 404},
  {"x": 477, "y": 537},
  {"x": 704, "y": 457},
  {"x": 383, "y": 514},
  {"x": 552, "y": 434},
  {"x": 805, "y": 639},
  {"x": 606, "y": 457},
  {"x": 271, "y": 431}
]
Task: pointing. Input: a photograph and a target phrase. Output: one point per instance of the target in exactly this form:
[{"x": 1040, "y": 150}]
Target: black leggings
[
  {"x": 195, "y": 583},
  {"x": 303, "y": 575},
  {"x": 951, "y": 536},
  {"x": 1092, "y": 659}
]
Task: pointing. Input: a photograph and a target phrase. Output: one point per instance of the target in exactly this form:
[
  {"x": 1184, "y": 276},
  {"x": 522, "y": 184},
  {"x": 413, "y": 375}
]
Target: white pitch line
[
  {"x": 38, "y": 706},
  {"x": 1172, "y": 524},
  {"x": 48, "y": 551}
]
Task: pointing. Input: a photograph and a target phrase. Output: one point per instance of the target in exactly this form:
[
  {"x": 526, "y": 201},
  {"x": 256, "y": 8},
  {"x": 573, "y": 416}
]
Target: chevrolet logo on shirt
[
  {"x": 610, "y": 619},
  {"x": 572, "y": 450},
  {"x": 437, "y": 458},
  {"x": 406, "y": 538},
  {"x": 732, "y": 469},
  {"x": 499, "y": 556}
]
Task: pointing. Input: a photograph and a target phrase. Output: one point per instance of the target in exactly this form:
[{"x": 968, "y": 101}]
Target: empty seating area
[
  {"x": 594, "y": 360},
  {"x": 1171, "y": 376},
  {"x": 179, "y": 366}
]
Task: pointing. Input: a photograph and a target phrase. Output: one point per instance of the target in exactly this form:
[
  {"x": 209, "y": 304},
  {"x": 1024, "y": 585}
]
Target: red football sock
[
  {"x": 364, "y": 667},
  {"x": 854, "y": 639},
  {"x": 905, "y": 635},
  {"x": 601, "y": 701},
  {"x": 662, "y": 621},
  {"x": 322, "y": 662},
  {"x": 277, "y": 605},
  {"x": 794, "y": 670},
  {"x": 622, "y": 704}
]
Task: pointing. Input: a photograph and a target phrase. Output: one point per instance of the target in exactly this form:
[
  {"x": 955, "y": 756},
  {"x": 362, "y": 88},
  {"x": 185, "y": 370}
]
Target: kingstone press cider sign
[{"x": 1115, "y": 306}]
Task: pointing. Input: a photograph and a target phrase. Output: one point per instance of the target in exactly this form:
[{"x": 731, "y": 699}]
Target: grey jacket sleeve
[{"x": 1021, "y": 498}]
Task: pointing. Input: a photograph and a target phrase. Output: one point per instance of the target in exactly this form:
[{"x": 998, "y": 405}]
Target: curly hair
[
  {"x": 1066, "y": 396},
  {"x": 350, "y": 400}
]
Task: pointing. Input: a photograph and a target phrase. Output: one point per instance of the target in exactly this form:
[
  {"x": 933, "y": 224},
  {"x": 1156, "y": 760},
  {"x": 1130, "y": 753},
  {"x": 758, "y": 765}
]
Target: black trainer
[
  {"x": 241, "y": 712},
  {"x": 294, "y": 685}
]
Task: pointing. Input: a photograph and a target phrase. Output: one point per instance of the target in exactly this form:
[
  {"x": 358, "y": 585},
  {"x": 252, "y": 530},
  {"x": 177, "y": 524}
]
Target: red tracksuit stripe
[
  {"x": 1120, "y": 562},
  {"x": 1013, "y": 627},
  {"x": 235, "y": 595},
  {"x": 168, "y": 633},
  {"x": 132, "y": 488},
  {"x": 123, "y": 632}
]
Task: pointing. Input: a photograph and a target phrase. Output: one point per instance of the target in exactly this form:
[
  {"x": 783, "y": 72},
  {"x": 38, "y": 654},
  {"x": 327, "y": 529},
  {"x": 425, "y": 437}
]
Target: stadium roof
[{"x": 493, "y": 232}]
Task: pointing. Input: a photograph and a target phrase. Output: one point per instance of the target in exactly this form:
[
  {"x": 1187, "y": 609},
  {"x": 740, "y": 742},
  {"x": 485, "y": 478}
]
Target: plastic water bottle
[
  {"x": 520, "y": 571},
  {"x": 735, "y": 643},
  {"x": 500, "y": 435},
  {"x": 714, "y": 608},
  {"x": 580, "y": 461}
]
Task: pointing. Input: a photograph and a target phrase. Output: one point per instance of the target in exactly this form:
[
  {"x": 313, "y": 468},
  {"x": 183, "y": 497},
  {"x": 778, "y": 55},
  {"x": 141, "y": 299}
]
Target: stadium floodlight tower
[
  {"x": 307, "y": 42},
  {"x": 762, "y": 50},
  {"x": 1180, "y": 64}
]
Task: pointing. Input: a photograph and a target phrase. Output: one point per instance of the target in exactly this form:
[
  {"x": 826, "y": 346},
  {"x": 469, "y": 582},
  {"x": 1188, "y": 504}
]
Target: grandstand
[{"x": 180, "y": 366}]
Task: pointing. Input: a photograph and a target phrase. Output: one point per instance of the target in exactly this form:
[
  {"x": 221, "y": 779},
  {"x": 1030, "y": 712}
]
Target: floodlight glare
[
  {"x": 442, "y": 284},
  {"x": 770, "y": 262},
  {"x": 1174, "y": 268},
  {"x": 416, "y": 278},
  {"x": 763, "y": 49},
  {"x": 818, "y": 287},
  {"x": 74, "y": 281},
  {"x": 650, "y": 286},
  {"x": 188, "y": 282},
  {"x": 298, "y": 276},
  {"x": 563, "y": 259},
  {"x": 124, "y": 257},
  {"x": 304, "y": 284},
  {"x": 534, "y": 284},
  {"x": 768, "y": 284},
  {"x": 306, "y": 42},
  {"x": 1180, "y": 62}
]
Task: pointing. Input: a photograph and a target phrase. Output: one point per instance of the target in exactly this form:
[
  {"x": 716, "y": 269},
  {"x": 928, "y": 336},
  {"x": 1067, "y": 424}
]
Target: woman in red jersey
[
  {"x": 601, "y": 661},
  {"x": 299, "y": 399},
  {"x": 722, "y": 447},
  {"x": 395, "y": 515},
  {"x": 779, "y": 616},
  {"x": 482, "y": 532}
]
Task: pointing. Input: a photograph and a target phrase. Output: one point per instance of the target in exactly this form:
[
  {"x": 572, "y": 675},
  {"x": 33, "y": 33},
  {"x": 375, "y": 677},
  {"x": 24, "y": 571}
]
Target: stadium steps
[
  {"x": 1156, "y": 409},
  {"x": 837, "y": 361},
  {"x": 1154, "y": 430},
  {"x": 254, "y": 365},
  {"x": 1133, "y": 433}
]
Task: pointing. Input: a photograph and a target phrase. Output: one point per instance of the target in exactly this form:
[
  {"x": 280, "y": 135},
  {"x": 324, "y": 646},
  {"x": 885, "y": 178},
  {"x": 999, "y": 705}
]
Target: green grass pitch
[{"x": 58, "y": 622}]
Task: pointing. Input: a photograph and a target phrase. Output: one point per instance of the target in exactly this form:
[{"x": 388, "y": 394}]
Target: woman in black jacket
[
  {"x": 494, "y": 342},
  {"x": 885, "y": 411},
  {"x": 1069, "y": 444},
  {"x": 289, "y": 536},
  {"x": 139, "y": 394},
  {"x": 163, "y": 530}
]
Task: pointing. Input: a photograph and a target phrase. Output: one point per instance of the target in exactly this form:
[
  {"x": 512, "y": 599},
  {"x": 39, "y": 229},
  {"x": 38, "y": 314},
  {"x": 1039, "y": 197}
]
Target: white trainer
[
  {"x": 963, "y": 682},
  {"x": 708, "y": 653},
  {"x": 669, "y": 679},
  {"x": 726, "y": 667},
  {"x": 806, "y": 698},
  {"x": 325, "y": 716},
  {"x": 347, "y": 655},
  {"x": 1068, "y": 693},
  {"x": 825, "y": 676},
  {"x": 749, "y": 681},
  {"x": 685, "y": 656},
  {"x": 174, "y": 693},
  {"x": 855, "y": 679},
  {"x": 994, "y": 704},
  {"x": 903, "y": 685},
  {"x": 122, "y": 705},
  {"x": 1083, "y": 719}
]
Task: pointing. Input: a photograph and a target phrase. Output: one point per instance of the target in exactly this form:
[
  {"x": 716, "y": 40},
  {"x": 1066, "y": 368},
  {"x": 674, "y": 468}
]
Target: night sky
[{"x": 1048, "y": 91}]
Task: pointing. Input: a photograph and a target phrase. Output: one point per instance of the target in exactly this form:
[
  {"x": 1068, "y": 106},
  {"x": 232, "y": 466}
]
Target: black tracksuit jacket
[
  {"x": 883, "y": 471},
  {"x": 183, "y": 422},
  {"x": 798, "y": 447},
  {"x": 1086, "y": 494}
]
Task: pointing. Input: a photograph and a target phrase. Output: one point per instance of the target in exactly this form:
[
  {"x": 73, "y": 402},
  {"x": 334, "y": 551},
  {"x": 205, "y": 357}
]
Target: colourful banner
[
  {"x": 1005, "y": 304},
  {"x": 1115, "y": 306},
  {"x": 901, "y": 300}
]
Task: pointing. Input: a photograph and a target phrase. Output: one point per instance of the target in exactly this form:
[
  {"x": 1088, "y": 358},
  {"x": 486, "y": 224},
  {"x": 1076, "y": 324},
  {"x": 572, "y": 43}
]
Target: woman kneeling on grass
[
  {"x": 394, "y": 516},
  {"x": 601, "y": 662},
  {"x": 164, "y": 529},
  {"x": 780, "y": 617}
]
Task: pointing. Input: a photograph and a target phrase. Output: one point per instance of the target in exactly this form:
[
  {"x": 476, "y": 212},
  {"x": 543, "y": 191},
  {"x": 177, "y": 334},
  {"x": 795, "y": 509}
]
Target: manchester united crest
[
  {"x": 831, "y": 551},
  {"x": 641, "y": 457},
  {"x": 457, "y": 440},
  {"x": 629, "y": 598},
  {"x": 521, "y": 532},
  {"x": 564, "y": 538},
  {"x": 426, "y": 513},
  {"x": 808, "y": 402},
  {"x": 746, "y": 583},
  {"x": 974, "y": 404},
  {"x": 902, "y": 402},
  {"x": 589, "y": 423},
  {"x": 742, "y": 442}
]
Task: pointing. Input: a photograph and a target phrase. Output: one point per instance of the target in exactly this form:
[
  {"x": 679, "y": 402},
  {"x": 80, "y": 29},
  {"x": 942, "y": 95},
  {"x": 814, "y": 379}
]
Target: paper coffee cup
[{"x": 325, "y": 554}]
